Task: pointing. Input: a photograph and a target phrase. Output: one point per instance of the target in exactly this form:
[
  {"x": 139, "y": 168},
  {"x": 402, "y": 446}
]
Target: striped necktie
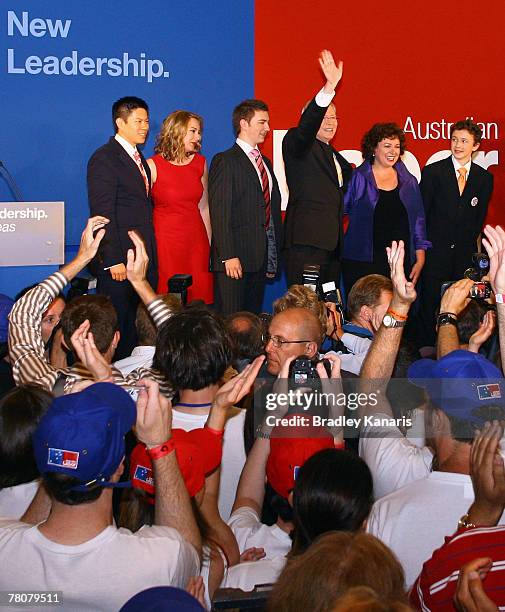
[
  {"x": 264, "y": 183},
  {"x": 136, "y": 157}
]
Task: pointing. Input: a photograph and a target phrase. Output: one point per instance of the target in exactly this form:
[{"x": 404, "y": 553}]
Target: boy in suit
[
  {"x": 245, "y": 214},
  {"x": 456, "y": 194}
]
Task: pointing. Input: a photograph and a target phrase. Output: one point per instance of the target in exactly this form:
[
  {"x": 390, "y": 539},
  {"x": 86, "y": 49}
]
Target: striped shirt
[
  {"x": 437, "y": 583},
  {"x": 26, "y": 349}
]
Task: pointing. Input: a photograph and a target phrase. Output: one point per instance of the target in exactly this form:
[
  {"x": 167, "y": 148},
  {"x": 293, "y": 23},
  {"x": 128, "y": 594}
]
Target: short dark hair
[
  {"x": 20, "y": 412},
  {"x": 469, "y": 320},
  {"x": 378, "y": 132},
  {"x": 469, "y": 126},
  {"x": 101, "y": 314},
  {"x": 124, "y": 107},
  {"x": 193, "y": 349},
  {"x": 246, "y": 333},
  {"x": 367, "y": 291},
  {"x": 246, "y": 110},
  {"x": 333, "y": 492},
  {"x": 59, "y": 487}
]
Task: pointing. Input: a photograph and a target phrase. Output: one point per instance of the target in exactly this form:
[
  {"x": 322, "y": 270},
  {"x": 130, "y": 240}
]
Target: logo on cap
[
  {"x": 144, "y": 474},
  {"x": 63, "y": 458},
  {"x": 490, "y": 391}
]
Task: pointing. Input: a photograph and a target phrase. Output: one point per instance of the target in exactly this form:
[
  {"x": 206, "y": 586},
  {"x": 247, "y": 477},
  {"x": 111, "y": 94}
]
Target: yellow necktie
[{"x": 461, "y": 179}]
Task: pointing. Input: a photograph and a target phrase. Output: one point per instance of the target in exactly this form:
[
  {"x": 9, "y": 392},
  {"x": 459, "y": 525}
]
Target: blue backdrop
[{"x": 63, "y": 63}]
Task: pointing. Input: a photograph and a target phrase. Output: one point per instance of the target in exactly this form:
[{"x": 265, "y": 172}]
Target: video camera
[
  {"x": 480, "y": 290},
  {"x": 326, "y": 292},
  {"x": 178, "y": 284}
]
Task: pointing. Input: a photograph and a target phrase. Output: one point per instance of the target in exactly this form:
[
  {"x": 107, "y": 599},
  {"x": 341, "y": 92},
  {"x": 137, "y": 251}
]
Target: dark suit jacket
[
  {"x": 116, "y": 190},
  {"x": 453, "y": 222},
  {"x": 315, "y": 206},
  {"x": 237, "y": 211}
]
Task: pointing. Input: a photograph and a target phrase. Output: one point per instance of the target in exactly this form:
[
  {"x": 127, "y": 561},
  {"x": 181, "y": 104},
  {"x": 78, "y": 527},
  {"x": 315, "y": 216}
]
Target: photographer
[{"x": 367, "y": 304}]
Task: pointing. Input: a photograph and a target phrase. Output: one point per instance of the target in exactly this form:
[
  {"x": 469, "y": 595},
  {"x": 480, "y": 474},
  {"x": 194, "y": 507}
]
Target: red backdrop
[{"x": 415, "y": 59}]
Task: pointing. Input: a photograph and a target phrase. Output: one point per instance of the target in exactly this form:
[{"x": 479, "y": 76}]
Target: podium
[{"x": 32, "y": 233}]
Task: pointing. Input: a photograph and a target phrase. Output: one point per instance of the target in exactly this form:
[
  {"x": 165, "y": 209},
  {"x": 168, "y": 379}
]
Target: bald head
[{"x": 300, "y": 333}]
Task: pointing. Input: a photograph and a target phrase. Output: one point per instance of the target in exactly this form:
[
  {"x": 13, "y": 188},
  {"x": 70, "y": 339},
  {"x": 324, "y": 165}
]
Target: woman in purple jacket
[{"x": 383, "y": 203}]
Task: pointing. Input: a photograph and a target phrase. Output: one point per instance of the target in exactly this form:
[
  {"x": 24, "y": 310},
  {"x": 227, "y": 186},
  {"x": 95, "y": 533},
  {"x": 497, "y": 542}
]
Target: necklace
[{"x": 186, "y": 405}]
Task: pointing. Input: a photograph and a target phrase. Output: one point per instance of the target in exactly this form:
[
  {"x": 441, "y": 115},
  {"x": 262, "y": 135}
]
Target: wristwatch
[
  {"x": 390, "y": 321},
  {"x": 446, "y": 318}
]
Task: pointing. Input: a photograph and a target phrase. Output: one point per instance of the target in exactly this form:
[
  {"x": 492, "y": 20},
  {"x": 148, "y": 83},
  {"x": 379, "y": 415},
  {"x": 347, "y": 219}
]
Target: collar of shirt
[
  {"x": 457, "y": 165},
  {"x": 246, "y": 147},
  {"x": 130, "y": 149}
]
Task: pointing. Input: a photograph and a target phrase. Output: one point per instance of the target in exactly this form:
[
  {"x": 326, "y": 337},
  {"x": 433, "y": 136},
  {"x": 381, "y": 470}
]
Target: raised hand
[
  {"x": 494, "y": 243},
  {"x": 87, "y": 353},
  {"x": 89, "y": 244},
  {"x": 137, "y": 262},
  {"x": 154, "y": 415},
  {"x": 239, "y": 386},
  {"x": 403, "y": 291},
  {"x": 331, "y": 71},
  {"x": 484, "y": 332}
]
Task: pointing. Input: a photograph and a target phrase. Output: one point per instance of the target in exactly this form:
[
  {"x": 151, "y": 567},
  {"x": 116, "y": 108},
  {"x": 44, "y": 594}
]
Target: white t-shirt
[
  {"x": 250, "y": 532},
  {"x": 233, "y": 452},
  {"x": 141, "y": 357},
  {"x": 393, "y": 459},
  {"x": 101, "y": 574},
  {"x": 358, "y": 348},
  {"x": 15, "y": 500},
  {"x": 246, "y": 576},
  {"x": 414, "y": 520}
]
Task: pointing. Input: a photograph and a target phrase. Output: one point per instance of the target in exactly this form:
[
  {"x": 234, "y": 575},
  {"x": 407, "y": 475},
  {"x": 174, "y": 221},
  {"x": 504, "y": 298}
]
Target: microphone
[{"x": 10, "y": 182}]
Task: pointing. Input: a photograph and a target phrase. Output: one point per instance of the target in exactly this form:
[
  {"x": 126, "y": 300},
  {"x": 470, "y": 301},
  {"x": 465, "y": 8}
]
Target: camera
[
  {"x": 330, "y": 293},
  {"x": 178, "y": 284},
  {"x": 302, "y": 370},
  {"x": 480, "y": 267}
]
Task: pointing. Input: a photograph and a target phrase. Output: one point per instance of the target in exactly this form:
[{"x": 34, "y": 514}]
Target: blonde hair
[
  {"x": 300, "y": 296},
  {"x": 333, "y": 564},
  {"x": 169, "y": 142}
]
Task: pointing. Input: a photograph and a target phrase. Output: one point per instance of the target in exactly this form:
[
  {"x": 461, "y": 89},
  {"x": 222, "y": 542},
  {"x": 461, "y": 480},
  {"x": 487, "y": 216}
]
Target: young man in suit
[
  {"x": 456, "y": 195},
  {"x": 317, "y": 176},
  {"x": 245, "y": 214},
  {"x": 119, "y": 188}
]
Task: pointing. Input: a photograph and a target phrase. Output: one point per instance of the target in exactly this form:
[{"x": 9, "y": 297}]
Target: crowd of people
[{"x": 156, "y": 454}]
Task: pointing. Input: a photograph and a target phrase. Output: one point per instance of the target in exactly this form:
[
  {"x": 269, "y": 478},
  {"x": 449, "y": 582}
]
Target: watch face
[{"x": 388, "y": 321}]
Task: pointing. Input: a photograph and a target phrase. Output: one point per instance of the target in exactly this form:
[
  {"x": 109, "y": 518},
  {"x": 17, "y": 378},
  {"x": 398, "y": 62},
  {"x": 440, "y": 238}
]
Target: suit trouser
[
  {"x": 125, "y": 301},
  {"x": 246, "y": 293},
  {"x": 298, "y": 255}
]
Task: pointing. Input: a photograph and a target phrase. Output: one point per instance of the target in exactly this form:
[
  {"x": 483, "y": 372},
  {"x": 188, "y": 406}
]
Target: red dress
[{"x": 182, "y": 242}]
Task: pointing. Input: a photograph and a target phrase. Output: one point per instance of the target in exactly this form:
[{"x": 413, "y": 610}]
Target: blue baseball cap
[
  {"x": 83, "y": 434},
  {"x": 6, "y": 304},
  {"x": 461, "y": 384},
  {"x": 163, "y": 599}
]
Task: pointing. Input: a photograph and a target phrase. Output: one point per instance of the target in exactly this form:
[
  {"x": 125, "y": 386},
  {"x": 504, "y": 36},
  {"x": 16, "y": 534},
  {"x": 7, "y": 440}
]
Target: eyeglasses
[{"x": 277, "y": 342}]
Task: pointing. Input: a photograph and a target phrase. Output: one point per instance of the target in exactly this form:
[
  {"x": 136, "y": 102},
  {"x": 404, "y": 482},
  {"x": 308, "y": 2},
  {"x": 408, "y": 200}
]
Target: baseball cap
[
  {"x": 82, "y": 434},
  {"x": 290, "y": 447},
  {"x": 162, "y": 599},
  {"x": 198, "y": 453},
  {"x": 461, "y": 384},
  {"x": 6, "y": 304}
]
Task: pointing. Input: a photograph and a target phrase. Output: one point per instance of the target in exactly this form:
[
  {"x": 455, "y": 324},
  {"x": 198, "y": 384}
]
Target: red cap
[
  {"x": 290, "y": 447},
  {"x": 198, "y": 453}
]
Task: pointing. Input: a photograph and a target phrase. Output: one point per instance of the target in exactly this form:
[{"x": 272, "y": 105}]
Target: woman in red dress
[{"x": 181, "y": 208}]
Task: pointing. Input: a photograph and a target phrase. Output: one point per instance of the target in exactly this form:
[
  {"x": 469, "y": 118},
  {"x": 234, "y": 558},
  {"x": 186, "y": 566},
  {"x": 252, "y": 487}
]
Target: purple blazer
[{"x": 359, "y": 204}]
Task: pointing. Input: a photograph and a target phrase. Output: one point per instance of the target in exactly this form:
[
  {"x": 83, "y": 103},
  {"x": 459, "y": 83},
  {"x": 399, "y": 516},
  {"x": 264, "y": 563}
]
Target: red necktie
[
  {"x": 136, "y": 157},
  {"x": 264, "y": 183}
]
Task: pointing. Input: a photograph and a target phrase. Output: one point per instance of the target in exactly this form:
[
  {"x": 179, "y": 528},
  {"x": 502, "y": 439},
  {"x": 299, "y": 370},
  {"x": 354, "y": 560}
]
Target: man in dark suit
[
  {"x": 456, "y": 195},
  {"x": 245, "y": 214},
  {"x": 317, "y": 176},
  {"x": 119, "y": 188}
]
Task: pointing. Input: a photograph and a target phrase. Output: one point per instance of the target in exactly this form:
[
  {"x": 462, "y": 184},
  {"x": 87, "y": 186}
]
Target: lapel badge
[{"x": 474, "y": 201}]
